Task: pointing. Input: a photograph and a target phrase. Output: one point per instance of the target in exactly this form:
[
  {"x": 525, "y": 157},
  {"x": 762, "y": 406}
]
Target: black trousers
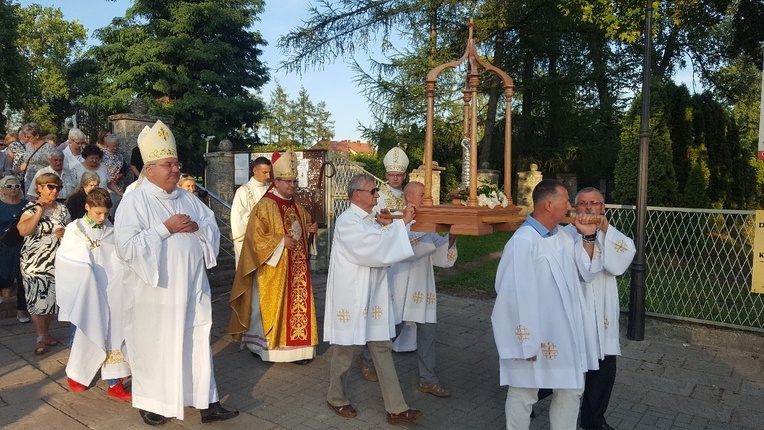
[{"x": 599, "y": 386}]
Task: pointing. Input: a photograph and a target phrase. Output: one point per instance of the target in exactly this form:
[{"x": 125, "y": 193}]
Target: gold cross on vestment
[
  {"x": 606, "y": 323},
  {"x": 343, "y": 315},
  {"x": 163, "y": 134},
  {"x": 549, "y": 350},
  {"x": 418, "y": 297},
  {"x": 430, "y": 298},
  {"x": 376, "y": 313},
  {"x": 522, "y": 333},
  {"x": 620, "y": 246}
]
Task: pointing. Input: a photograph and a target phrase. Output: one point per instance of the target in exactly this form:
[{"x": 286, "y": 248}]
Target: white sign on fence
[{"x": 757, "y": 278}]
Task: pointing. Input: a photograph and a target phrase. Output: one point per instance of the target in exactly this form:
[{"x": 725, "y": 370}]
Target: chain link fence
[{"x": 699, "y": 264}]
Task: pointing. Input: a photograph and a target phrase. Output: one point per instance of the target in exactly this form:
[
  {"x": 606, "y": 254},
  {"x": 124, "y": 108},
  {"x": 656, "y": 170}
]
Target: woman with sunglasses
[
  {"x": 42, "y": 226},
  {"x": 11, "y": 204}
]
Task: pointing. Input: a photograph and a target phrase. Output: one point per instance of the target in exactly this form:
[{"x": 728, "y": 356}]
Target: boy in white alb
[{"x": 89, "y": 292}]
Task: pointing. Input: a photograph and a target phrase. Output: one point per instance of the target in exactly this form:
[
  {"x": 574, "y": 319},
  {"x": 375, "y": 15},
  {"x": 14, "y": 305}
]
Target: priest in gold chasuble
[{"x": 272, "y": 297}]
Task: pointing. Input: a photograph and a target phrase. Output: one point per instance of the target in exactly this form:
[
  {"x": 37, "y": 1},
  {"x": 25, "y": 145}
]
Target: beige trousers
[{"x": 381, "y": 354}]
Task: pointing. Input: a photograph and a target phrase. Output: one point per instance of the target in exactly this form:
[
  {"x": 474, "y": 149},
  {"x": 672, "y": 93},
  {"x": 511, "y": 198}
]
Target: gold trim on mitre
[
  {"x": 396, "y": 160},
  {"x": 286, "y": 165},
  {"x": 156, "y": 143}
]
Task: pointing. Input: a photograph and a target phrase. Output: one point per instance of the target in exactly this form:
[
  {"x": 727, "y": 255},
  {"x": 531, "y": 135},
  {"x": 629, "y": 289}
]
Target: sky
[{"x": 333, "y": 85}]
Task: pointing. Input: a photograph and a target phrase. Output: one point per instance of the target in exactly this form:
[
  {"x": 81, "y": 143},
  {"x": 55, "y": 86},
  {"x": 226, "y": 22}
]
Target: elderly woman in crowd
[
  {"x": 15, "y": 152},
  {"x": 116, "y": 162},
  {"x": 36, "y": 152},
  {"x": 11, "y": 204},
  {"x": 93, "y": 156},
  {"x": 188, "y": 183},
  {"x": 42, "y": 226},
  {"x": 75, "y": 204}
]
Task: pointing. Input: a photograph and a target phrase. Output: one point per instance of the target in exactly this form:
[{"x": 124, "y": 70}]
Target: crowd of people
[{"x": 137, "y": 296}]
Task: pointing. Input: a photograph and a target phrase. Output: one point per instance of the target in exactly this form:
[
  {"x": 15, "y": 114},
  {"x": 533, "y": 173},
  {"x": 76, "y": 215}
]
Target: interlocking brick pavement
[{"x": 664, "y": 382}]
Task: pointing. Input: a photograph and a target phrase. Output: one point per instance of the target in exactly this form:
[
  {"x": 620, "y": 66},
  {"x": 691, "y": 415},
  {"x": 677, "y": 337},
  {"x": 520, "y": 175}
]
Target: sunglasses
[
  {"x": 371, "y": 191},
  {"x": 52, "y": 187},
  {"x": 9, "y": 186}
]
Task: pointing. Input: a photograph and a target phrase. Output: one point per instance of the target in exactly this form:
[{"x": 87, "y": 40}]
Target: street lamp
[{"x": 206, "y": 151}]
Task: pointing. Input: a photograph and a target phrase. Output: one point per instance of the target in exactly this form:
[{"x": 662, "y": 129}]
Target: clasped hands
[{"x": 181, "y": 223}]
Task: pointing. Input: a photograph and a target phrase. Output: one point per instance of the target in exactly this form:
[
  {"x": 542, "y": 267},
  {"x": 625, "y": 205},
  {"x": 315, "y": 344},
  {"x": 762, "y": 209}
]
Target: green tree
[
  {"x": 662, "y": 187},
  {"x": 196, "y": 61},
  {"x": 300, "y": 123},
  {"x": 13, "y": 66},
  {"x": 50, "y": 45}
]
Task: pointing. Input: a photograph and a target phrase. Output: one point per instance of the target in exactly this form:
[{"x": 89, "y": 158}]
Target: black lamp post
[{"x": 636, "y": 328}]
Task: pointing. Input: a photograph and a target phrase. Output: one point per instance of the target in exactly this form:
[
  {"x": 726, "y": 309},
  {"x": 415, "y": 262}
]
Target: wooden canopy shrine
[{"x": 471, "y": 219}]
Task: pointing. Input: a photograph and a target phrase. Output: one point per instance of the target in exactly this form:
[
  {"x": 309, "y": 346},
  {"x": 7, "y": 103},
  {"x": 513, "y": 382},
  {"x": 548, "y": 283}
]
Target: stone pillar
[
  {"x": 127, "y": 127},
  {"x": 570, "y": 181},
  {"x": 220, "y": 170},
  {"x": 526, "y": 182},
  {"x": 418, "y": 176}
]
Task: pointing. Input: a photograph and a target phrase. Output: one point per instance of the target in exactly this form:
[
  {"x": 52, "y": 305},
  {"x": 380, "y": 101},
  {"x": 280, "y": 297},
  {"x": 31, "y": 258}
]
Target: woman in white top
[{"x": 93, "y": 156}]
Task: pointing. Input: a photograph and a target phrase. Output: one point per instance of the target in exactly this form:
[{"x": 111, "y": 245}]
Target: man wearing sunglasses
[
  {"x": 601, "y": 294},
  {"x": 167, "y": 238},
  {"x": 359, "y": 309}
]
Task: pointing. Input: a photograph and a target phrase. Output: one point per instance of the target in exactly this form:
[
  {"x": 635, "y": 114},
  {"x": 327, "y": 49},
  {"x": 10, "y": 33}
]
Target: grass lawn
[{"x": 475, "y": 270}]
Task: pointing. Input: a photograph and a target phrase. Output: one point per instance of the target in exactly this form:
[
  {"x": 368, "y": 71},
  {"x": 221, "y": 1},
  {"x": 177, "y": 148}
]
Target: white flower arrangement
[{"x": 488, "y": 195}]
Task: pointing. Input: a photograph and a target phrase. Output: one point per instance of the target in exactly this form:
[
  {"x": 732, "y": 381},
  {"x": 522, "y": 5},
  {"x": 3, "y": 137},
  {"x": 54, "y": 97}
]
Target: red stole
[{"x": 299, "y": 291}]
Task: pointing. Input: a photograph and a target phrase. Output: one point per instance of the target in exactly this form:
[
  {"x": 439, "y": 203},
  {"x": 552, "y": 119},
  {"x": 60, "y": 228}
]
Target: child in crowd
[{"x": 89, "y": 293}]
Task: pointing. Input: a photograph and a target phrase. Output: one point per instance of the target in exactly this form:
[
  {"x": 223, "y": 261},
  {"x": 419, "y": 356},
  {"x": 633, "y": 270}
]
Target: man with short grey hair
[
  {"x": 56, "y": 166},
  {"x": 616, "y": 251},
  {"x": 359, "y": 309}
]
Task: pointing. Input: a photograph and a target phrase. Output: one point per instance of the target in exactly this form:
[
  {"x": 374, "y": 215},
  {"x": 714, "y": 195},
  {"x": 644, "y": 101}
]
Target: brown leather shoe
[
  {"x": 369, "y": 373},
  {"x": 403, "y": 417},
  {"x": 434, "y": 389},
  {"x": 345, "y": 411}
]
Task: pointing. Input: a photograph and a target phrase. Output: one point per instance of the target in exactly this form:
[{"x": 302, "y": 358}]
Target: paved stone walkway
[{"x": 662, "y": 383}]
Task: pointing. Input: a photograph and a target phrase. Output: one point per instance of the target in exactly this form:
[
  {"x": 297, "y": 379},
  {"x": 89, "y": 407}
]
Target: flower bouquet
[{"x": 488, "y": 195}]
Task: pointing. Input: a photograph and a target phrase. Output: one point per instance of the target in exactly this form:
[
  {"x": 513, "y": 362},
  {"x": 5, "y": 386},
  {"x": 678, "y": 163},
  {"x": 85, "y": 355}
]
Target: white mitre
[
  {"x": 156, "y": 143},
  {"x": 396, "y": 160},
  {"x": 284, "y": 165}
]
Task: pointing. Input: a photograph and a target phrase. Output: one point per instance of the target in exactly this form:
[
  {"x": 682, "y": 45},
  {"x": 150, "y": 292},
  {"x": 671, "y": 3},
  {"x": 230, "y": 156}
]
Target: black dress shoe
[
  {"x": 215, "y": 412},
  {"x": 151, "y": 418}
]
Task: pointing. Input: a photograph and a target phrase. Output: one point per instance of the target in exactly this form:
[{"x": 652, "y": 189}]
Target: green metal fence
[{"x": 699, "y": 264}]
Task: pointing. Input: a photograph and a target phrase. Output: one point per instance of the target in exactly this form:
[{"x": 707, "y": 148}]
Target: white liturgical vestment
[
  {"x": 168, "y": 314},
  {"x": 359, "y": 306},
  {"x": 617, "y": 252},
  {"x": 89, "y": 294},
  {"x": 413, "y": 284},
  {"x": 540, "y": 311},
  {"x": 244, "y": 200}
]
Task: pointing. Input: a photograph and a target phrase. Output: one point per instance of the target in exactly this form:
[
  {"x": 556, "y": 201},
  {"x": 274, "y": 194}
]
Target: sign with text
[{"x": 757, "y": 283}]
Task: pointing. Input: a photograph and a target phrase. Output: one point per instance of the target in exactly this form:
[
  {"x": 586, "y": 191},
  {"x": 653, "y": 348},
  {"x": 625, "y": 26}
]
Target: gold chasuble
[{"x": 284, "y": 287}]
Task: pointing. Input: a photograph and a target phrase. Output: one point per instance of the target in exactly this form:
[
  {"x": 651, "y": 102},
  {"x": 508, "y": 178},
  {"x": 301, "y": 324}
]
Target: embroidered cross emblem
[
  {"x": 522, "y": 333},
  {"x": 620, "y": 246},
  {"x": 414, "y": 240},
  {"x": 163, "y": 133},
  {"x": 418, "y": 297},
  {"x": 365, "y": 312},
  {"x": 596, "y": 253},
  {"x": 451, "y": 256},
  {"x": 549, "y": 350},
  {"x": 376, "y": 313},
  {"x": 343, "y": 315},
  {"x": 606, "y": 323},
  {"x": 430, "y": 298}
]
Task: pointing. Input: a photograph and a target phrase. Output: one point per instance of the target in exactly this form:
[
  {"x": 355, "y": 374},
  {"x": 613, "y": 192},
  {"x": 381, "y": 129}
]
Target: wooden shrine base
[{"x": 470, "y": 221}]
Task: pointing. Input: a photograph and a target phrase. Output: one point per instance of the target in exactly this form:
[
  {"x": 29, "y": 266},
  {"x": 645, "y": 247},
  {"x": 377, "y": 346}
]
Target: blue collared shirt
[{"x": 540, "y": 229}]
